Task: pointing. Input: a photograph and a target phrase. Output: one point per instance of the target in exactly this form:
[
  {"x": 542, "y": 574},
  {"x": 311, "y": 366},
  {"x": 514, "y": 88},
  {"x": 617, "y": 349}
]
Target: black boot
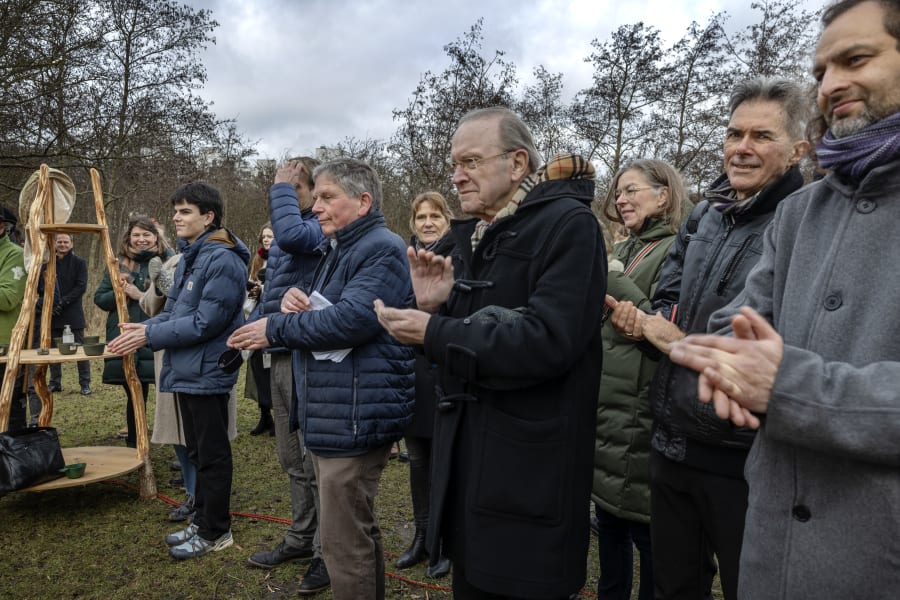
[
  {"x": 438, "y": 568},
  {"x": 265, "y": 422},
  {"x": 416, "y": 552}
]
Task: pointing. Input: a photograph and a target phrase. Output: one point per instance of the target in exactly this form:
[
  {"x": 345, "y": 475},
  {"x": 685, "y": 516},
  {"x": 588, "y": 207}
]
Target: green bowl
[
  {"x": 65, "y": 348},
  {"x": 73, "y": 471},
  {"x": 93, "y": 349}
]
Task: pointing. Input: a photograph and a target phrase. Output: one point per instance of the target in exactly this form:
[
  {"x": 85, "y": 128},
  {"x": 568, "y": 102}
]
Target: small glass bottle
[{"x": 68, "y": 337}]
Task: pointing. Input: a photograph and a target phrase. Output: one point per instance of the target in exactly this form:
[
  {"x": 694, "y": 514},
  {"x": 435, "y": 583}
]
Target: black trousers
[
  {"x": 205, "y": 419},
  {"x": 84, "y": 366},
  {"x": 419, "y": 478},
  {"x": 615, "y": 542},
  {"x": 693, "y": 514},
  {"x": 262, "y": 381},
  {"x": 17, "y": 402}
]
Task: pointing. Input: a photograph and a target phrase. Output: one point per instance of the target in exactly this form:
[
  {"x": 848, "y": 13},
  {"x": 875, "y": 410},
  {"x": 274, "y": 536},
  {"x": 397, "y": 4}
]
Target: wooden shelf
[
  {"x": 31, "y": 357},
  {"x": 71, "y": 228},
  {"x": 103, "y": 462}
]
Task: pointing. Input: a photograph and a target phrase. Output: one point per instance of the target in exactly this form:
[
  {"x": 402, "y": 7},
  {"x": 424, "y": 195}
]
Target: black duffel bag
[{"x": 29, "y": 457}]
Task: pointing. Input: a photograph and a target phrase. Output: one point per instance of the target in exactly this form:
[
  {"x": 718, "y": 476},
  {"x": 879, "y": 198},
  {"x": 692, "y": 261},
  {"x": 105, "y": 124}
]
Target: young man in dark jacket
[
  {"x": 516, "y": 335},
  {"x": 204, "y": 306},
  {"x": 354, "y": 381},
  {"x": 698, "y": 496}
]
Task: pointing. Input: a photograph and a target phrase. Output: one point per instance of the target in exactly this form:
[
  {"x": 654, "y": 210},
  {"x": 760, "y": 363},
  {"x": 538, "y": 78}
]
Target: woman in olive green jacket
[
  {"x": 647, "y": 197},
  {"x": 140, "y": 243}
]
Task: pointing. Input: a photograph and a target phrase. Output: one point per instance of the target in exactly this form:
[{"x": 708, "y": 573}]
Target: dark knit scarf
[
  {"x": 724, "y": 199},
  {"x": 562, "y": 166},
  {"x": 856, "y": 154},
  {"x": 428, "y": 247}
]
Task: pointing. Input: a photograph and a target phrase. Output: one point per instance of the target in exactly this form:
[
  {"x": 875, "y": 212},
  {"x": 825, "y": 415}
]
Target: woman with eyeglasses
[{"x": 646, "y": 196}]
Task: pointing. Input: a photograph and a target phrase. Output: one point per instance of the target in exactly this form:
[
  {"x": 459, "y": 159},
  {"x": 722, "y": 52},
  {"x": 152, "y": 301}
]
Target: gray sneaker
[
  {"x": 181, "y": 536},
  {"x": 197, "y": 546},
  {"x": 185, "y": 511}
]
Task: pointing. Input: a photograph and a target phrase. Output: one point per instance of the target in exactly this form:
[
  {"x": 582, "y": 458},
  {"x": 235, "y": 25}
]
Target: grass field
[{"x": 101, "y": 541}]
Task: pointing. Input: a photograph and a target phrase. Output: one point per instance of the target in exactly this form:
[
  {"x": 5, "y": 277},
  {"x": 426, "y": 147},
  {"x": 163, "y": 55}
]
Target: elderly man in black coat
[{"x": 513, "y": 321}]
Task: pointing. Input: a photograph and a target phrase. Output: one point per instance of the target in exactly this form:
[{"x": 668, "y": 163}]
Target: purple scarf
[{"x": 858, "y": 153}]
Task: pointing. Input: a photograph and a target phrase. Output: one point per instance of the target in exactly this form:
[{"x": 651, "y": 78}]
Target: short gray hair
[
  {"x": 514, "y": 134},
  {"x": 354, "y": 177},
  {"x": 789, "y": 94}
]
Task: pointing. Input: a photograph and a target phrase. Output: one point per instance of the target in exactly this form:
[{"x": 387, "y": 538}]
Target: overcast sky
[{"x": 298, "y": 74}]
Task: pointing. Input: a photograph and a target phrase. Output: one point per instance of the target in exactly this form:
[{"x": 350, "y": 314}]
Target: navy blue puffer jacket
[
  {"x": 294, "y": 254},
  {"x": 365, "y": 401},
  {"x": 203, "y": 307}
]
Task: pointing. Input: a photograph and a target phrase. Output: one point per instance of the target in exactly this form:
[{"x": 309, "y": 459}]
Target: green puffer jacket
[{"x": 622, "y": 450}]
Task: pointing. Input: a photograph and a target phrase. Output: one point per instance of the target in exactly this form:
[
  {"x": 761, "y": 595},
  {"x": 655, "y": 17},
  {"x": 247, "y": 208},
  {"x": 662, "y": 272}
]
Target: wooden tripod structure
[{"x": 103, "y": 462}]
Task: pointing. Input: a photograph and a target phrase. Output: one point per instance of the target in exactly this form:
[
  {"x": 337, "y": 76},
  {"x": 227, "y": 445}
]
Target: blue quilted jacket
[
  {"x": 295, "y": 252},
  {"x": 203, "y": 307},
  {"x": 365, "y": 401}
]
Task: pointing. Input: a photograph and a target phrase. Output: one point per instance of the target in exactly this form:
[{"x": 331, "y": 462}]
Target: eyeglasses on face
[
  {"x": 473, "y": 163},
  {"x": 629, "y": 192}
]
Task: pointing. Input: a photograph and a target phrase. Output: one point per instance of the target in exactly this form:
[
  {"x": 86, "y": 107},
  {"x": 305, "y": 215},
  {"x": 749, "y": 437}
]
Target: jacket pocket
[
  {"x": 186, "y": 364},
  {"x": 749, "y": 247},
  {"x": 522, "y": 468}
]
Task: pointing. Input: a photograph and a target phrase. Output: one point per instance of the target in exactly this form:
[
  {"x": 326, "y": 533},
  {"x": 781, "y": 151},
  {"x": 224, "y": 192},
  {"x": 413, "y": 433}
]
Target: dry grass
[{"x": 101, "y": 541}]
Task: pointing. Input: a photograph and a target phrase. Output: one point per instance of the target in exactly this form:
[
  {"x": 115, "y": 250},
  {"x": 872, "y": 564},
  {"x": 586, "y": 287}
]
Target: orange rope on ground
[
  {"x": 584, "y": 593},
  {"x": 283, "y": 521}
]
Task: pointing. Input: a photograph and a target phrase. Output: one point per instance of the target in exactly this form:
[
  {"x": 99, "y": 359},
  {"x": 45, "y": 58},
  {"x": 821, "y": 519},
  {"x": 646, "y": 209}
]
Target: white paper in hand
[{"x": 318, "y": 302}]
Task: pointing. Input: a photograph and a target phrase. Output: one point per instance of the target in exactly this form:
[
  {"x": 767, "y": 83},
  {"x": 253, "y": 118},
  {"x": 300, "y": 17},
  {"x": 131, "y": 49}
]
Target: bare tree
[
  {"x": 689, "y": 122},
  {"x": 613, "y": 114},
  {"x": 542, "y": 109},
  {"x": 778, "y": 44},
  {"x": 421, "y": 145}
]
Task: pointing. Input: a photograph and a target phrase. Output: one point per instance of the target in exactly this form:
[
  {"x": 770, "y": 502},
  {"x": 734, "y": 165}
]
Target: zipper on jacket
[
  {"x": 301, "y": 421},
  {"x": 733, "y": 264},
  {"x": 698, "y": 289},
  {"x": 355, "y": 406}
]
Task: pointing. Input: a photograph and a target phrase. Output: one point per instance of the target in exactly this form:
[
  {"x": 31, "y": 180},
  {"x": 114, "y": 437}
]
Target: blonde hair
[{"x": 436, "y": 200}]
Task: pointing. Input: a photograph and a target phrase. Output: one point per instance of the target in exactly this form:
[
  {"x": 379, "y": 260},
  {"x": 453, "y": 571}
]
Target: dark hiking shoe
[
  {"x": 316, "y": 579},
  {"x": 282, "y": 553}
]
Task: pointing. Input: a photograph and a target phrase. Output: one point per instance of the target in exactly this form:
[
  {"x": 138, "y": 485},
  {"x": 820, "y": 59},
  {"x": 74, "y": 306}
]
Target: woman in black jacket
[{"x": 429, "y": 221}]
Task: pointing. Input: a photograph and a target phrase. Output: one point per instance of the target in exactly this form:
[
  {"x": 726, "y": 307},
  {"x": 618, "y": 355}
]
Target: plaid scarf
[
  {"x": 856, "y": 154},
  {"x": 562, "y": 166}
]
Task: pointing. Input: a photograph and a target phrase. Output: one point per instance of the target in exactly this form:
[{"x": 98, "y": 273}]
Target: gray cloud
[{"x": 297, "y": 74}]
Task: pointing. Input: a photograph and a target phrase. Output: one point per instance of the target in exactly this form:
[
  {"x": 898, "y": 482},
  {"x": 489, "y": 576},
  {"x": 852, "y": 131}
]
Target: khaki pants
[
  {"x": 295, "y": 461},
  {"x": 351, "y": 538}
]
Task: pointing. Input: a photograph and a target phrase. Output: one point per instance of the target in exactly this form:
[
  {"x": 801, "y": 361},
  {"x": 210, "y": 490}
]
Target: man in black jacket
[
  {"x": 71, "y": 275},
  {"x": 515, "y": 332},
  {"x": 698, "y": 492}
]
